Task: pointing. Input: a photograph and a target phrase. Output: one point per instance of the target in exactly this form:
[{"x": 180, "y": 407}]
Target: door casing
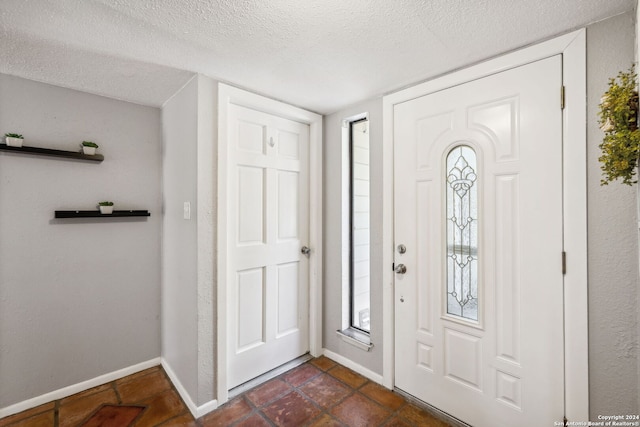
[
  {"x": 572, "y": 46},
  {"x": 231, "y": 95}
]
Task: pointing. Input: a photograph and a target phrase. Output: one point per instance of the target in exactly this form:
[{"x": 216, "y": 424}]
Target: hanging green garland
[{"x": 619, "y": 121}]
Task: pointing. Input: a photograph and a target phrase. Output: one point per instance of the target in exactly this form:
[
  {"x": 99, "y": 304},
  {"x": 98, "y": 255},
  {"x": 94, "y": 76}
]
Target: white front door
[
  {"x": 268, "y": 288},
  {"x": 478, "y": 207}
]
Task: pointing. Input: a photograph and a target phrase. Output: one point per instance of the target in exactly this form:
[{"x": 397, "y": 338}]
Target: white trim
[
  {"x": 196, "y": 411},
  {"x": 77, "y": 388},
  {"x": 575, "y": 230},
  {"x": 573, "y": 48},
  {"x": 345, "y": 225},
  {"x": 348, "y": 363},
  {"x": 231, "y": 95}
]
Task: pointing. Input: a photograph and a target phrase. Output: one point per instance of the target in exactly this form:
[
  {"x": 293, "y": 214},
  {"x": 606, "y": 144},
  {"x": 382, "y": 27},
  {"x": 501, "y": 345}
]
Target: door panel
[
  {"x": 268, "y": 224},
  {"x": 479, "y": 311}
]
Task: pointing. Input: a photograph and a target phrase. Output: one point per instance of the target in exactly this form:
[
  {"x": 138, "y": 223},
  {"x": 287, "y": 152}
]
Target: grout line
[
  {"x": 264, "y": 417},
  {"x": 56, "y": 413},
  {"x": 117, "y": 392}
]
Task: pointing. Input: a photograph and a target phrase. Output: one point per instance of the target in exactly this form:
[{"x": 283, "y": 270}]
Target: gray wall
[
  {"x": 332, "y": 243},
  {"x": 179, "y": 250},
  {"x": 78, "y": 298},
  {"x": 637, "y": 56},
  {"x": 189, "y": 122},
  {"x": 613, "y": 240}
]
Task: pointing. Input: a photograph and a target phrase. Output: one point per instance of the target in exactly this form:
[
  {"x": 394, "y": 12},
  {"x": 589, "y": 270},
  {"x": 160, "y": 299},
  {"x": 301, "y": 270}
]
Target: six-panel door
[{"x": 268, "y": 289}]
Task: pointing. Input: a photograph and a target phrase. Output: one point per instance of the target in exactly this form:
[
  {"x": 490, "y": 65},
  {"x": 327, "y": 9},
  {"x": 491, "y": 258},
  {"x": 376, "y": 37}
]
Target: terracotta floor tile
[
  {"x": 77, "y": 410},
  {"x": 397, "y": 422},
  {"x": 138, "y": 375},
  {"x": 227, "y": 414},
  {"x": 347, "y": 376},
  {"x": 326, "y": 420},
  {"x": 323, "y": 363},
  {"x": 114, "y": 416},
  {"x": 160, "y": 408},
  {"x": 143, "y": 387},
  {"x": 420, "y": 417},
  {"x": 325, "y": 390},
  {"x": 81, "y": 395},
  {"x": 27, "y": 414},
  {"x": 185, "y": 420},
  {"x": 291, "y": 410},
  {"x": 46, "y": 419},
  {"x": 303, "y": 373},
  {"x": 254, "y": 420},
  {"x": 295, "y": 398},
  {"x": 383, "y": 396},
  {"x": 267, "y": 392},
  {"x": 358, "y": 411}
]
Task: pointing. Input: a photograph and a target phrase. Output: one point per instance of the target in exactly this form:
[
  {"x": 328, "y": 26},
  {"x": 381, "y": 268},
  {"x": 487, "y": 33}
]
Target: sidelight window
[
  {"x": 356, "y": 233},
  {"x": 360, "y": 223}
]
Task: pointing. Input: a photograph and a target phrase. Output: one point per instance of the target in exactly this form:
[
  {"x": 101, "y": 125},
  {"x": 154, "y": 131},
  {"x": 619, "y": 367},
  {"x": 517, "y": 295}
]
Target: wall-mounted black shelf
[
  {"x": 97, "y": 214},
  {"x": 51, "y": 152}
]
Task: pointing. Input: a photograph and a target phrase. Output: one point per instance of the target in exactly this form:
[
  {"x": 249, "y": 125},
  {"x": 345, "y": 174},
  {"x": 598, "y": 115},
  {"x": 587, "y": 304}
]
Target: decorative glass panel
[{"x": 462, "y": 233}]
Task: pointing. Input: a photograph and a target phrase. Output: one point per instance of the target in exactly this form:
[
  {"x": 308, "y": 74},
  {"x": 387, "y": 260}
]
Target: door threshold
[
  {"x": 269, "y": 375},
  {"x": 437, "y": 413}
]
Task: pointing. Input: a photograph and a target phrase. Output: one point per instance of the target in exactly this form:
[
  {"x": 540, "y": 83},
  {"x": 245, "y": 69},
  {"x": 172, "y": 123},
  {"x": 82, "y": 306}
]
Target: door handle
[
  {"x": 401, "y": 269},
  {"x": 305, "y": 250}
]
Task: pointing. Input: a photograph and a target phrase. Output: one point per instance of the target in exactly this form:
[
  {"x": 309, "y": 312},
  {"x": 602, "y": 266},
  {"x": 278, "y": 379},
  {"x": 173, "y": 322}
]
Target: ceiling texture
[{"x": 322, "y": 55}]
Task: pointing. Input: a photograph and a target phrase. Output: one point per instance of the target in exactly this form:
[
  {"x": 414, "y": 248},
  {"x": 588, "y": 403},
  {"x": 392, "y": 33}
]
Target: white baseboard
[
  {"x": 196, "y": 411},
  {"x": 77, "y": 388},
  {"x": 348, "y": 363}
]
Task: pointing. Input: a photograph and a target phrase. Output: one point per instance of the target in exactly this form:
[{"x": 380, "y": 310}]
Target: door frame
[
  {"x": 231, "y": 95},
  {"x": 572, "y": 47}
]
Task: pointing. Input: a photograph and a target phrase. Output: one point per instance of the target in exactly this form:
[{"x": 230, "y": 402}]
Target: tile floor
[{"x": 317, "y": 393}]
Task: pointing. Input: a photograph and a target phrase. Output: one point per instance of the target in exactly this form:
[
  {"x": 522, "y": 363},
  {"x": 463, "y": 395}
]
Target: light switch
[{"x": 187, "y": 210}]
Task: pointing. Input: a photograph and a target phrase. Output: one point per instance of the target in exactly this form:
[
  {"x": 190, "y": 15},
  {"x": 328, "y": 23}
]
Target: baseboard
[
  {"x": 348, "y": 363},
  {"x": 76, "y": 388},
  {"x": 196, "y": 411}
]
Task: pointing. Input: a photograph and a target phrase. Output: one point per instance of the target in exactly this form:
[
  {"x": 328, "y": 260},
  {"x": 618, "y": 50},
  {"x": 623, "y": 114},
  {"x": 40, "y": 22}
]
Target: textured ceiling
[{"x": 318, "y": 54}]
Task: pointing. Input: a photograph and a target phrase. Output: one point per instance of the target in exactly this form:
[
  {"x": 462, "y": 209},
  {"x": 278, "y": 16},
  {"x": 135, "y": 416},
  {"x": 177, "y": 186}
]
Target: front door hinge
[
  {"x": 564, "y": 263},
  {"x": 562, "y": 97}
]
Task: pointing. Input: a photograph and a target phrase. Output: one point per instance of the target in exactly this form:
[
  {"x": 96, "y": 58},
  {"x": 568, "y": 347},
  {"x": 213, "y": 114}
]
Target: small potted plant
[
  {"x": 14, "y": 139},
  {"x": 89, "y": 148},
  {"x": 106, "y": 207}
]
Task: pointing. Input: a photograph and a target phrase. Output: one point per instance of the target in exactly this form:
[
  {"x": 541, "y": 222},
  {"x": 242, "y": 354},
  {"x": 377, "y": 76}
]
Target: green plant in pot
[
  {"x": 619, "y": 121},
  {"x": 106, "y": 207},
  {"x": 14, "y": 139},
  {"x": 89, "y": 147}
]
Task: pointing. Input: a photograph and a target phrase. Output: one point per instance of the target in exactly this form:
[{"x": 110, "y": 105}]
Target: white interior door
[
  {"x": 478, "y": 206},
  {"x": 268, "y": 288}
]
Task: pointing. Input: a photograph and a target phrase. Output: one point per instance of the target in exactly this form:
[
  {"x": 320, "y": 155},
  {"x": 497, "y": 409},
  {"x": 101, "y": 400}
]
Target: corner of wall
[
  {"x": 179, "y": 237},
  {"x": 196, "y": 411},
  {"x": 206, "y": 225}
]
